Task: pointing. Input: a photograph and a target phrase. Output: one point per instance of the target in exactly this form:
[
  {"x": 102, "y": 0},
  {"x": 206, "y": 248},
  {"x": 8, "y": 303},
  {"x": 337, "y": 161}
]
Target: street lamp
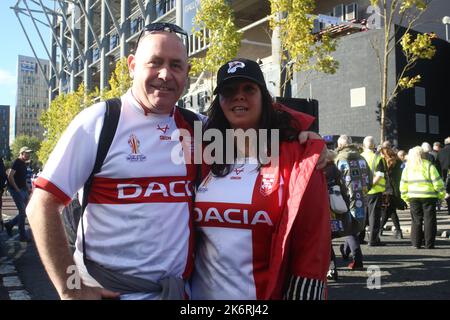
[{"x": 446, "y": 21}]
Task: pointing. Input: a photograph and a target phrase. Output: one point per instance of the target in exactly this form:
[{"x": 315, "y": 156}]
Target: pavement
[
  {"x": 22, "y": 275},
  {"x": 395, "y": 271}
]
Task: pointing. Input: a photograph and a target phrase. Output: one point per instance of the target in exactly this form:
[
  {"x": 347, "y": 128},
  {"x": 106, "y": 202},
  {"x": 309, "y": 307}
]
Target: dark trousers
[
  {"x": 332, "y": 260},
  {"x": 20, "y": 199},
  {"x": 423, "y": 212},
  {"x": 352, "y": 245},
  {"x": 447, "y": 189},
  {"x": 390, "y": 212},
  {"x": 374, "y": 213}
]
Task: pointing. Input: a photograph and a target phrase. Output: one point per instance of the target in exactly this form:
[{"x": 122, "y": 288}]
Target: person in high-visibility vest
[
  {"x": 421, "y": 186},
  {"x": 374, "y": 196}
]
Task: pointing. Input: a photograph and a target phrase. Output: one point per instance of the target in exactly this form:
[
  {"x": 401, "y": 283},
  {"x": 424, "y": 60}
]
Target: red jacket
[{"x": 301, "y": 245}]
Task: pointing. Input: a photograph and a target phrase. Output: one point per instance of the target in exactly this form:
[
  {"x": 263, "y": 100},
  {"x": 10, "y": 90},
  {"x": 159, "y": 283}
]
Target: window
[
  {"x": 421, "y": 122},
  {"x": 420, "y": 96},
  {"x": 358, "y": 97},
  {"x": 433, "y": 123}
]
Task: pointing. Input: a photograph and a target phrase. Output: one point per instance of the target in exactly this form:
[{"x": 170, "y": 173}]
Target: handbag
[
  {"x": 342, "y": 221},
  {"x": 337, "y": 202}
]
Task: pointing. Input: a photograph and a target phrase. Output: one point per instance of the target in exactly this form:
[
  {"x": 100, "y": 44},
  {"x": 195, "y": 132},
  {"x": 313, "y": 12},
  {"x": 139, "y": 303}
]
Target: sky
[{"x": 14, "y": 43}]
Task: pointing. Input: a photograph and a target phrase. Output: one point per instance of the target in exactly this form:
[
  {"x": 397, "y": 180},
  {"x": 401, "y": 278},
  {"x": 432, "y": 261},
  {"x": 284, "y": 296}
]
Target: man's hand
[
  {"x": 309, "y": 135},
  {"x": 90, "y": 293}
]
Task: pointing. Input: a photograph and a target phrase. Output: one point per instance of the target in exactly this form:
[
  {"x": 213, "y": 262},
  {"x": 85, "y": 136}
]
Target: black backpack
[{"x": 72, "y": 214}]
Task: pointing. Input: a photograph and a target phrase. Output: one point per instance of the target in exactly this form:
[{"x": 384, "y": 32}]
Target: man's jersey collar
[{"x": 143, "y": 109}]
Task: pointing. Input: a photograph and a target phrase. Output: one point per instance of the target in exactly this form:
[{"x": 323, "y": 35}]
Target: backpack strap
[
  {"x": 110, "y": 122},
  {"x": 190, "y": 118}
]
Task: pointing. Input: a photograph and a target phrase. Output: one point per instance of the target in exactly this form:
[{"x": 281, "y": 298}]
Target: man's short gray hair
[
  {"x": 369, "y": 142},
  {"x": 426, "y": 147},
  {"x": 447, "y": 140},
  {"x": 344, "y": 140}
]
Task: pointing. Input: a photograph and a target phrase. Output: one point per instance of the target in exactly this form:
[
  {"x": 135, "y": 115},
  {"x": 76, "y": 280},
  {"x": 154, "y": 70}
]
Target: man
[
  {"x": 137, "y": 222},
  {"x": 138, "y": 233},
  {"x": 358, "y": 180},
  {"x": 374, "y": 197},
  {"x": 401, "y": 154},
  {"x": 444, "y": 161},
  {"x": 20, "y": 192},
  {"x": 3, "y": 179},
  {"x": 436, "y": 149}
]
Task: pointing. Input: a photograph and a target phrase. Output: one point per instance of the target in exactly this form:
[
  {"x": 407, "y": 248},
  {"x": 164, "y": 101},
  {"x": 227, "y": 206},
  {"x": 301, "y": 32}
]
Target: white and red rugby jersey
[
  {"x": 235, "y": 217},
  {"x": 137, "y": 221}
]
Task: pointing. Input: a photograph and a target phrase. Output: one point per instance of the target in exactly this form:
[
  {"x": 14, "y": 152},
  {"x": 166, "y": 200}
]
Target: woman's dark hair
[{"x": 271, "y": 118}]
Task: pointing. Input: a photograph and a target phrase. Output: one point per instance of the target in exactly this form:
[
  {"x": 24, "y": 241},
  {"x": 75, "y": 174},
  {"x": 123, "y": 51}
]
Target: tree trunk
[{"x": 384, "y": 96}]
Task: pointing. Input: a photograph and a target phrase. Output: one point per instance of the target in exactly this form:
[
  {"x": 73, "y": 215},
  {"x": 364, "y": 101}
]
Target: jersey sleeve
[
  {"x": 72, "y": 160},
  {"x": 310, "y": 243}
]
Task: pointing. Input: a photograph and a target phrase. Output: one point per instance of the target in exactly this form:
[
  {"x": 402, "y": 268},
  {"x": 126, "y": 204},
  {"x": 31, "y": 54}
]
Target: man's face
[
  {"x": 25, "y": 156},
  {"x": 159, "y": 70}
]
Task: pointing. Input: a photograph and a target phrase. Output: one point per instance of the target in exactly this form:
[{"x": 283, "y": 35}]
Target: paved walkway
[{"x": 396, "y": 271}]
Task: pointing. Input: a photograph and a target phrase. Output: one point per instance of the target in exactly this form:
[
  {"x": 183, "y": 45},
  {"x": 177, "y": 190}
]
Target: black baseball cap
[{"x": 240, "y": 68}]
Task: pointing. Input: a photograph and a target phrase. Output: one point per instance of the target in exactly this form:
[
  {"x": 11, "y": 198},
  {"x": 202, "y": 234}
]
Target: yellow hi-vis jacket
[
  {"x": 373, "y": 160},
  {"x": 421, "y": 182}
]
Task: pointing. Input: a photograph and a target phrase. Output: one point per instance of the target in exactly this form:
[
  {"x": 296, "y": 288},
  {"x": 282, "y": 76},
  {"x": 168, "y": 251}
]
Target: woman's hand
[{"x": 310, "y": 135}]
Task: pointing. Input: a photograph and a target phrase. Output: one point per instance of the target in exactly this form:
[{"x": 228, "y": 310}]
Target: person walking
[
  {"x": 444, "y": 161},
  {"x": 358, "y": 181},
  {"x": 392, "y": 192},
  {"x": 3, "y": 179},
  {"x": 421, "y": 186},
  {"x": 17, "y": 187},
  {"x": 334, "y": 180},
  {"x": 374, "y": 197}
]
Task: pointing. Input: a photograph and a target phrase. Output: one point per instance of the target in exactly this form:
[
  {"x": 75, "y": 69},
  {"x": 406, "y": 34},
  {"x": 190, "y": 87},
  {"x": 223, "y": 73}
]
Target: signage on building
[
  {"x": 189, "y": 12},
  {"x": 28, "y": 66},
  {"x": 328, "y": 19}
]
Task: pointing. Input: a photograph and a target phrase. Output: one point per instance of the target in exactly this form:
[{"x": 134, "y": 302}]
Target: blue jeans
[{"x": 20, "y": 199}]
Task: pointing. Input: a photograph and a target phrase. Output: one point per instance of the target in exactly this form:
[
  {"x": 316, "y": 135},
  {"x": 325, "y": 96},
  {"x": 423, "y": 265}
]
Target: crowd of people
[
  {"x": 242, "y": 228},
  {"x": 397, "y": 180}
]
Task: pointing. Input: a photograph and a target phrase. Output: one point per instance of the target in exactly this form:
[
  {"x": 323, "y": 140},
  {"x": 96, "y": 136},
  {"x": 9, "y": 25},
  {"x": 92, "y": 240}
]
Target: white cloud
[{"x": 6, "y": 77}]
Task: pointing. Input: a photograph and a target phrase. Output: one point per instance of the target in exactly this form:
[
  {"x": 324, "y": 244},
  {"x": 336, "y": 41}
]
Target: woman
[
  {"x": 264, "y": 229},
  {"x": 392, "y": 193},
  {"x": 421, "y": 186},
  {"x": 334, "y": 178}
]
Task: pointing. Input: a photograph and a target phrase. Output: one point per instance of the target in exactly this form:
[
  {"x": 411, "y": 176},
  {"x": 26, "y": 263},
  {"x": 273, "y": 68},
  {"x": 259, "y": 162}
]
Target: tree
[
  {"x": 65, "y": 107},
  {"x": 119, "y": 82},
  {"x": 414, "y": 49},
  {"x": 223, "y": 37},
  {"x": 57, "y": 117},
  {"x": 31, "y": 142},
  {"x": 302, "y": 51}
]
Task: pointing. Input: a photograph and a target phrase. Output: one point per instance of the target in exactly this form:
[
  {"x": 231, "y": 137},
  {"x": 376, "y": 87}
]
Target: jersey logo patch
[
  {"x": 231, "y": 216},
  {"x": 163, "y": 130},
  {"x": 237, "y": 171},
  {"x": 267, "y": 183},
  {"x": 135, "y": 155}
]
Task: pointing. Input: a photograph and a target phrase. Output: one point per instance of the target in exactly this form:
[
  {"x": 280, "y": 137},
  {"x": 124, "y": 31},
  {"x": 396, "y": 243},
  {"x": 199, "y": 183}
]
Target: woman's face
[{"x": 241, "y": 102}]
